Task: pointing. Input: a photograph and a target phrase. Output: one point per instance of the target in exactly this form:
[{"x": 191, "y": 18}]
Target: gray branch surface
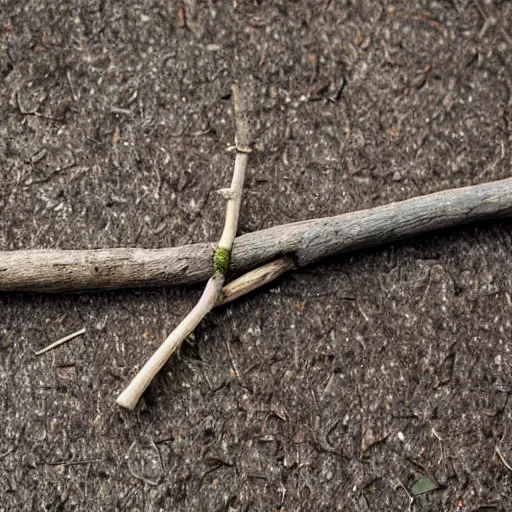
[{"x": 306, "y": 242}]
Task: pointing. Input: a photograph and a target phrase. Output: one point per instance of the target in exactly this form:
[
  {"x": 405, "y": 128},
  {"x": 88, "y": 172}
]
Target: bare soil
[{"x": 338, "y": 386}]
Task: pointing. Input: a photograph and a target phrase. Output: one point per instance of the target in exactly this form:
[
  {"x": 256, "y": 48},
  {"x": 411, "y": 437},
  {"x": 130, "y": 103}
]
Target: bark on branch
[{"x": 306, "y": 242}]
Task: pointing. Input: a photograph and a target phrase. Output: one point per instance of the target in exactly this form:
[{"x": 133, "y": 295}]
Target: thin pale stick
[
  {"x": 131, "y": 395},
  {"x": 234, "y": 196},
  {"x": 55, "y": 344}
]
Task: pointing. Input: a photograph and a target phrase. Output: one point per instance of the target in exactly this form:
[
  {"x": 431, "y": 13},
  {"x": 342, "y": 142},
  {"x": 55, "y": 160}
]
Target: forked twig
[{"x": 221, "y": 258}]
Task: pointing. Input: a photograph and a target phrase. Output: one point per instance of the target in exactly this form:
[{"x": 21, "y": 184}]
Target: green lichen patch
[{"x": 221, "y": 259}]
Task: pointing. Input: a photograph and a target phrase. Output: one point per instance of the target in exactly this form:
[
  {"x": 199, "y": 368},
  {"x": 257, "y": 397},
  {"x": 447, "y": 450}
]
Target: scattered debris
[
  {"x": 420, "y": 78},
  {"x": 411, "y": 498},
  {"x": 313, "y": 62},
  {"x": 440, "y": 439},
  {"x": 116, "y": 137},
  {"x": 424, "y": 485},
  {"x": 36, "y": 112},
  {"x": 121, "y": 111},
  {"x": 38, "y": 156},
  {"x": 337, "y": 94},
  {"x": 500, "y": 455},
  {"x": 368, "y": 440},
  {"x": 71, "y": 87},
  {"x": 144, "y": 462},
  {"x": 73, "y": 462},
  {"x": 182, "y": 19},
  {"x": 316, "y": 91},
  {"x": 429, "y": 19},
  {"x": 235, "y": 372}
]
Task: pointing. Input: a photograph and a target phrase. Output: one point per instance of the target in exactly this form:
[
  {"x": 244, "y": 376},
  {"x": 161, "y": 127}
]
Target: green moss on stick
[{"x": 221, "y": 259}]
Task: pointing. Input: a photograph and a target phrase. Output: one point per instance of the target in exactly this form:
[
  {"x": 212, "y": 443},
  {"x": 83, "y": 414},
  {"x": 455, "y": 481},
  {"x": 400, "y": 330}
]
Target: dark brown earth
[{"x": 356, "y": 376}]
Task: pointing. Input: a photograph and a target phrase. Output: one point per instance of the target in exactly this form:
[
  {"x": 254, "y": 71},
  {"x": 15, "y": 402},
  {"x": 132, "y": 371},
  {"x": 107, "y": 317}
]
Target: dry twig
[
  {"x": 57, "y": 343},
  {"x": 221, "y": 259},
  {"x": 254, "y": 279}
]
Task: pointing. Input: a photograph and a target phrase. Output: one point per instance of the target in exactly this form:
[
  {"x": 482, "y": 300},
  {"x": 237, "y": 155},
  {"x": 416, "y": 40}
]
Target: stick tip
[{"x": 127, "y": 400}]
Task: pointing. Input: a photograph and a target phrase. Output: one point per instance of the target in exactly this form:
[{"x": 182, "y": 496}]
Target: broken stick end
[{"x": 127, "y": 399}]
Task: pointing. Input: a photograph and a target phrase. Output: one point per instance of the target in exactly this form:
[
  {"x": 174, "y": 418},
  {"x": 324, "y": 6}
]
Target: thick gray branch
[{"x": 306, "y": 241}]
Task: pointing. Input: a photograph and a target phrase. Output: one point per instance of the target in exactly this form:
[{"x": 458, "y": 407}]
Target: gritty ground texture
[{"x": 334, "y": 388}]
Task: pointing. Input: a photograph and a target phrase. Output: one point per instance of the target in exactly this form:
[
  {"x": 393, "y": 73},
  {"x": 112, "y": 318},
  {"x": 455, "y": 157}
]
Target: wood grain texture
[{"x": 306, "y": 242}]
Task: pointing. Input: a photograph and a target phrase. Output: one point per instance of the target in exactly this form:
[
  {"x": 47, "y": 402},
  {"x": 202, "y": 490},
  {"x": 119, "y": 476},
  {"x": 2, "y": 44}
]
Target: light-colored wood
[
  {"x": 234, "y": 196},
  {"x": 254, "y": 279},
  {"x": 305, "y": 242},
  {"x": 60, "y": 342},
  {"x": 234, "y": 202},
  {"x": 131, "y": 395}
]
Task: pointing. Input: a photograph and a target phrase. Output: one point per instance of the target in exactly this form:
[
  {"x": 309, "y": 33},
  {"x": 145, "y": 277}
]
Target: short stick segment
[{"x": 131, "y": 395}]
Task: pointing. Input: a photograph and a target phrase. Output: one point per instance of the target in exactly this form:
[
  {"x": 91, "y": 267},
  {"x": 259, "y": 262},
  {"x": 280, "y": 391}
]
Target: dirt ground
[{"x": 336, "y": 388}]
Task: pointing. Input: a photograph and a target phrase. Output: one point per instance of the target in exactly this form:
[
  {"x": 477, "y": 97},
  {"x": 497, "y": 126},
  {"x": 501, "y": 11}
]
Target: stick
[
  {"x": 221, "y": 259},
  {"x": 55, "y": 344},
  {"x": 306, "y": 242},
  {"x": 254, "y": 279}
]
